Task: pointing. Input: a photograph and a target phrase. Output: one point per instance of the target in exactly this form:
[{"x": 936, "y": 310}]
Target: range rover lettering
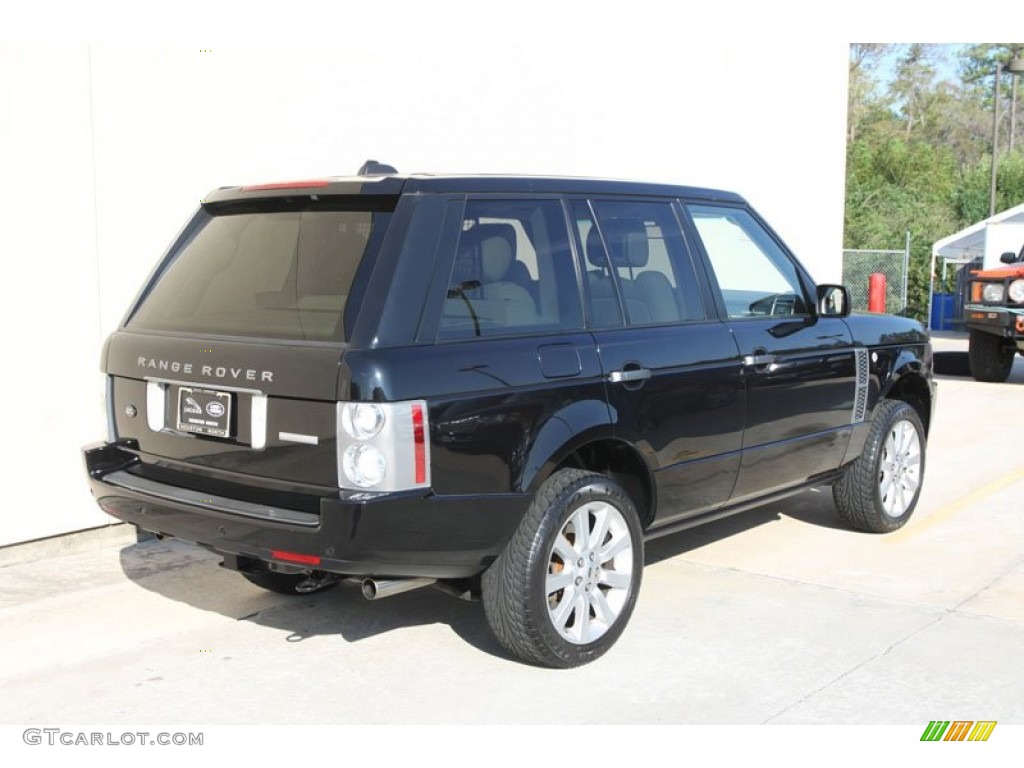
[{"x": 497, "y": 385}]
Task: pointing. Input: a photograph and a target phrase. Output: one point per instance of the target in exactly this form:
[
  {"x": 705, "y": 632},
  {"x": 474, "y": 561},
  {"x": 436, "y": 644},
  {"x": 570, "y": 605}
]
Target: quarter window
[{"x": 513, "y": 272}]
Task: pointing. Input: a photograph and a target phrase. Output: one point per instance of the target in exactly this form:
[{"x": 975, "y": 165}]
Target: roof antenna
[{"x": 373, "y": 168}]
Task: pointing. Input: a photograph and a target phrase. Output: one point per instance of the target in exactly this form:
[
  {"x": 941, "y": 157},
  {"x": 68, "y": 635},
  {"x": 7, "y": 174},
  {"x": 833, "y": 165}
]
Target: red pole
[{"x": 876, "y": 292}]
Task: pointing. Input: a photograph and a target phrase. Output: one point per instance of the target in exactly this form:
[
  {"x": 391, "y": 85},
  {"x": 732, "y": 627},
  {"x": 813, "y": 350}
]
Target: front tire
[
  {"x": 565, "y": 586},
  {"x": 879, "y": 491},
  {"x": 991, "y": 358}
]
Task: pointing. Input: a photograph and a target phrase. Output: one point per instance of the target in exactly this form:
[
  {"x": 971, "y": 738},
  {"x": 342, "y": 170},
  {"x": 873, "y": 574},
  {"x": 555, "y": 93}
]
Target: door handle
[
  {"x": 634, "y": 374},
  {"x": 755, "y": 361}
]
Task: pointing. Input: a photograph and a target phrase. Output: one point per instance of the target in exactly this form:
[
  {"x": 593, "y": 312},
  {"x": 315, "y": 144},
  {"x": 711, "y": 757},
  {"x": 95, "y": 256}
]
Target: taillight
[
  {"x": 419, "y": 445},
  {"x": 383, "y": 446}
]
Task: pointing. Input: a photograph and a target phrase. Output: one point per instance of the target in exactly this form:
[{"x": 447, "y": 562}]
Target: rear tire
[
  {"x": 990, "y": 356},
  {"x": 879, "y": 491},
  {"x": 565, "y": 586}
]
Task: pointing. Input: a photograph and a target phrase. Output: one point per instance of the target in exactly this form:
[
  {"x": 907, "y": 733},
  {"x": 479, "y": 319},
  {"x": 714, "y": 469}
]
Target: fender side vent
[{"x": 860, "y": 398}]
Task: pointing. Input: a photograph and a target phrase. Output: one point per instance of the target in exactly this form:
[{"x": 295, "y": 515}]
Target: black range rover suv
[{"x": 500, "y": 385}]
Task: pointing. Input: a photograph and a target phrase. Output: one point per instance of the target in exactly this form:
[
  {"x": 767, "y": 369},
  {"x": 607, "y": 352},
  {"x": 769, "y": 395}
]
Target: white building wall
[
  {"x": 106, "y": 150},
  {"x": 51, "y": 390}
]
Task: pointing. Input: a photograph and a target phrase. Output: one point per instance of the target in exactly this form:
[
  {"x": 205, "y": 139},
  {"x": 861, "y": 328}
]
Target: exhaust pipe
[{"x": 375, "y": 589}]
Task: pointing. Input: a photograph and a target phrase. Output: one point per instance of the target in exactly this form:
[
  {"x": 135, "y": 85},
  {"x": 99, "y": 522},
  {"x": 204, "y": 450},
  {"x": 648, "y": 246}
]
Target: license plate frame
[{"x": 203, "y": 411}]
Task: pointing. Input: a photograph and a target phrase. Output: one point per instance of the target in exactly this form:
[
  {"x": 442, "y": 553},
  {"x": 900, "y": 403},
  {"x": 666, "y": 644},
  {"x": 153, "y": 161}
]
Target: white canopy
[
  {"x": 987, "y": 239},
  {"x": 970, "y": 242}
]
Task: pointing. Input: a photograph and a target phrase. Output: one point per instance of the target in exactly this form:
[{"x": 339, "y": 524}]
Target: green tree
[
  {"x": 978, "y": 68},
  {"x": 919, "y": 148},
  {"x": 972, "y": 197},
  {"x": 978, "y": 62},
  {"x": 914, "y": 88},
  {"x": 899, "y": 186},
  {"x": 863, "y": 102}
]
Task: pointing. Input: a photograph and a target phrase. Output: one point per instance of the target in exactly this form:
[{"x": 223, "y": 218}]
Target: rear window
[{"x": 276, "y": 272}]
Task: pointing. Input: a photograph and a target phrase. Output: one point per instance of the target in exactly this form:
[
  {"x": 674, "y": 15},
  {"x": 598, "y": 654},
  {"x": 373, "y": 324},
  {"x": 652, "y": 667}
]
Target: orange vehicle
[{"x": 994, "y": 316}]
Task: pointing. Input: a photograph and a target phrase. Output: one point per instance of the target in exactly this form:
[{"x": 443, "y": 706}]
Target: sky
[{"x": 946, "y": 65}]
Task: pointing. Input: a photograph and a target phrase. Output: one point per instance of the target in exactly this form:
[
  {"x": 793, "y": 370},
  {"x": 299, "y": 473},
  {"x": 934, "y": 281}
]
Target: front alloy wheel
[
  {"x": 900, "y": 474},
  {"x": 878, "y": 492},
  {"x": 564, "y": 588}
]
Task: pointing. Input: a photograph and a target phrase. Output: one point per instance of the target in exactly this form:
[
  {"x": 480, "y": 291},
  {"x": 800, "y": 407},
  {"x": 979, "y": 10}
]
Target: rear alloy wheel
[
  {"x": 991, "y": 357},
  {"x": 564, "y": 588},
  {"x": 590, "y": 571},
  {"x": 878, "y": 492}
]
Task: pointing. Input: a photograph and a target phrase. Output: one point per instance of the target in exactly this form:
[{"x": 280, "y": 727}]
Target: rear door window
[
  {"x": 272, "y": 272},
  {"x": 636, "y": 252}
]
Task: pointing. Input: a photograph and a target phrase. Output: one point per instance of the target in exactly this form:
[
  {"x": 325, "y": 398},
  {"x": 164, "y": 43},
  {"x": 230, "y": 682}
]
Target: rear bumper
[{"x": 408, "y": 534}]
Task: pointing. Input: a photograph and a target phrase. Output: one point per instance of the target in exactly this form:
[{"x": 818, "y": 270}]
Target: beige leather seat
[
  {"x": 484, "y": 294},
  {"x": 513, "y": 304},
  {"x": 649, "y": 297},
  {"x": 604, "y": 305}
]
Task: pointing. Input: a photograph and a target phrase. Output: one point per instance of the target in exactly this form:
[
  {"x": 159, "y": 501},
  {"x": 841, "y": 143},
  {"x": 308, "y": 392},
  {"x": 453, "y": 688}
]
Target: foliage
[{"x": 919, "y": 147}]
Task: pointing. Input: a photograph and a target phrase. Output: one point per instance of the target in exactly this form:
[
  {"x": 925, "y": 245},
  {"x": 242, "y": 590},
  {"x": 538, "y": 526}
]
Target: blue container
[{"x": 943, "y": 311}]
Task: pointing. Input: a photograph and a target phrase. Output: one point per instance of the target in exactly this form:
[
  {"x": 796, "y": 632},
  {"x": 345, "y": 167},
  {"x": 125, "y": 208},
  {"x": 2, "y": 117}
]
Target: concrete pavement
[{"x": 780, "y": 615}]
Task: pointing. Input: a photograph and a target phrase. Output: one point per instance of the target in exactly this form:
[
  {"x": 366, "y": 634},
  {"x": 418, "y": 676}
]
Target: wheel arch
[
  {"x": 871, "y": 494},
  {"x": 598, "y": 450},
  {"x": 910, "y": 383}
]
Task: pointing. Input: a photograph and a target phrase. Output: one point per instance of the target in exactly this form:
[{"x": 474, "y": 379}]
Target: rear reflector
[
  {"x": 287, "y": 185},
  {"x": 419, "y": 449},
  {"x": 295, "y": 557}
]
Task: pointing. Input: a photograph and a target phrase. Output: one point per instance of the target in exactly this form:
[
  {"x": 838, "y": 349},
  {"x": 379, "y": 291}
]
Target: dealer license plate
[{"x": 204, "y": 411}]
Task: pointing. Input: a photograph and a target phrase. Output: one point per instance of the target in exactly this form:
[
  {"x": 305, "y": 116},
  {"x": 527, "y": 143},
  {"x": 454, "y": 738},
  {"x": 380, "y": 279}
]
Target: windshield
[{"x": 288, "y": 274}]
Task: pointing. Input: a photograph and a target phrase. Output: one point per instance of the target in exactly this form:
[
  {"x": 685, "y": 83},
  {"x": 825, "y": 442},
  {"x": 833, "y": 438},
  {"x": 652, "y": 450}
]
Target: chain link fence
[{"x": 859, "y": 265}]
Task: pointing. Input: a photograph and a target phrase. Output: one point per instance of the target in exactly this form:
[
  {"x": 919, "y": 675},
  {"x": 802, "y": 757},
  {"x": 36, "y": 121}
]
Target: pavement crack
[
  {"x": 862, "y": 664},
  {"x": 988, "y": 585},
  {"x": 945, "y": 613}
]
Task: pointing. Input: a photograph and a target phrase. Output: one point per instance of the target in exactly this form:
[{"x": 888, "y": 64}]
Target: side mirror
[
  {"x": 833, "y": 301},
  {"x": 1008, "y": 258}
]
